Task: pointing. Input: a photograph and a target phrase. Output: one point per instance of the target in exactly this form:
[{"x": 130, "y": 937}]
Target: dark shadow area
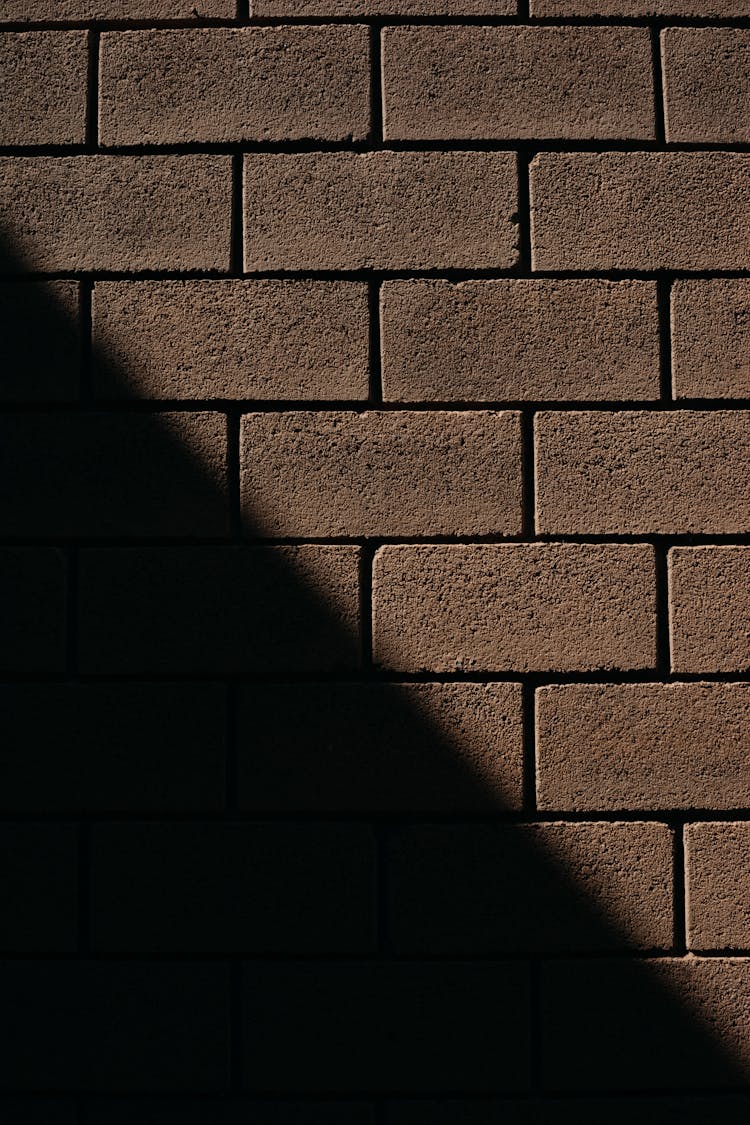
[{"x": 262, "y": 882}]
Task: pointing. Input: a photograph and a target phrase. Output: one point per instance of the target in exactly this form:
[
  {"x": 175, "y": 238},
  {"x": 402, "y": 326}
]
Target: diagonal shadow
[{"x": 471, "y": 984}]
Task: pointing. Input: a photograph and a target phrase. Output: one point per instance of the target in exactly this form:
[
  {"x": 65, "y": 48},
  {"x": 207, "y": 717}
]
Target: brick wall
[{"x": 374, "y": 555}]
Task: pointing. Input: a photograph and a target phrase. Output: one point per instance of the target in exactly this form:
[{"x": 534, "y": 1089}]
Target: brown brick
[
  {"x": 103, "y": 475},
  {"x": 118, "y": 212},
  {"x": 208, "y": 610},
  {"x": 706, "y": 83},
  {"x": 717, "y": 896},
  {"x": 636, "y": 8},
  {"x": 380, "y": 747},
  {"x": 709, "y": 609},
  {"x": 388, "y": 210},
  {"x": 489, "y": 341},
  {"x": 481, "y": 889},
  {"x": 674, "y": 1023},
  {"x": 299, "y": 8},
  {"x": 47, "y": 10},
  {"x": 381, "y": 473},
  {"x": 43, "y": 78},
  {"x": 641, "y": 210},
  {"x": 500, "y": 83},
  {"x": 711, "y": 338},
  {"x": 643, "y": 472},
  {"x": 234, "y": 84},
  {"x": 40, "y": 333},
  {"x": 514, "y": 607},
  {"x": 231, "y": 339},
  {"x": 643, "y": 746}
]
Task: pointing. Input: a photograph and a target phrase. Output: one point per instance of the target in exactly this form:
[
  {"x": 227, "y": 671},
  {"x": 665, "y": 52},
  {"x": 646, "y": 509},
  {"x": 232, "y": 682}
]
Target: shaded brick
[
  {"x": 32, "y": 610},
  {"x": 112, "y": 1025},
  {"x": 502, "y": 83},
  {"x": 381, "y": 473},
  {"x": 631, "y": 472},
  {"x": 213, "y": 610},
  {"x": 234, "y": 84},
  {"x": 680, "y": 1023},
  {"x": 104, "y": 474},
  {"x": 516, "y": 607},
  {"x": 40, "y": 332},
  {"x": 231, "y": 339},
  {"x": 614, "y": 747},
  {"x": 717, "y": 897},
  {"x": 29, "y": 10},
  {"x": 113, "y": 747},
  {"x": 691, "y": 1110},
  {"x": 118, "y": 212},
  {"x": 478, "y": 889},
  {"x": 43, "y": 78},
  {"x": 517, "y": 339},
  {"x": 210, "y": 1112},
  {"x": 384, "y": 7},
  {"x": 44, "y": 1112},
  {"x": 640, "y": 210},
  {"x": 709, "y": 609},
  {"x": 227, "y": 888},
  {"x": 711, "y": 338},
  {"x": 706, "y": 83},
  {"x": 384, "y": 747},
  {"x": 386, "y": 210},
  {"x": 38, "y": 874},
  {"x": 381, "y": 1026}
]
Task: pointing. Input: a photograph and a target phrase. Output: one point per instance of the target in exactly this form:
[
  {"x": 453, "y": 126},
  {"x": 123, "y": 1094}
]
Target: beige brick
[
  {"x": 43, "y": 79},
  {"x": 231, "y": 339},
  {"x": 706, "y": 83},
  {"x": 118, "y": 212},
  {"x": 709, "y": 609},
  {"x": 234, "y": 84},
  {"x": 489, "y": 341},
  {"x": 501, "y": 83},
  {"x": 643, "y": 472},
  {"x": 331, "y": 473},
  {"x": 711, "y": 338},
  {"x": 717, "y": 891},
  {"x": 640, "y": 210},
  {"x": 386, "y": 210},
  {"x": 619, "y": 747},
  {"x": 514, "y": 607}
]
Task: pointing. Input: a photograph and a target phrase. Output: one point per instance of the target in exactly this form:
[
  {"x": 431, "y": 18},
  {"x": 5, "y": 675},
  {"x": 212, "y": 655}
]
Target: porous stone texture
[
  {"x": 709, "y": 611},
  {"x": 717, "y": 900},
  {"x": 43, "y": 87},
  {"x": 706, "y": 84},
  {"x": 711, "y": 338}
]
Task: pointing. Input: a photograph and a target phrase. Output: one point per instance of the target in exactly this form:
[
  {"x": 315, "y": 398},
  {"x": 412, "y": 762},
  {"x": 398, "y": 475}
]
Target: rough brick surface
[
  {"x": 381, "y": 473},
  {"x": 706, "y": 83},
  {"x": 518, "y": 607},
  {"x": 387, "y": 210},
  {"x": 639, "y": 8},
  {"x": 477, "y": 890},
  {"x": 211, "y": 610},
  {"x": 716, "y": 899},
  {"x": 633, "y": 472},
  {"x": 383, "y": 747},
  {"x": 646, "y": 1044},
  {"x": 226, "y": 84},
  {"x": 643, "y": 746},
  {"x": 40, "y": 366},
  {"x": 343, "y": 1032},
  {"x": 208, "y": 888},
  {"x": 119, "y": 213},
  {"x": 711, "y": 338},
  {"x": 105, "y": 475},
  {"x": 43, "y": 10},
  {"x": 488, "y": 341},
  {"x": 231, "y": 339},
  {"x": 708, "y": 609},
  {"x": 299, "y": 8},
  {"x": 592, "y": 83},
  {"x": 43, "y": 82},
  {"x": 640, "y": 211}
]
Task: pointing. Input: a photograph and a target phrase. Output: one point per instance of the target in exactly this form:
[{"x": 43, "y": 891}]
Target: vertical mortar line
[
  {"x": 679, "y": 936},
  {"x": 243, "y": 11},
  {"x": 237, "y": 218},
  {"x": 92, "y": 90},
  {"x": 659, "y": 109},
  {"x": 664, "y": 312},
  {"x": 235, "y": 1025}
]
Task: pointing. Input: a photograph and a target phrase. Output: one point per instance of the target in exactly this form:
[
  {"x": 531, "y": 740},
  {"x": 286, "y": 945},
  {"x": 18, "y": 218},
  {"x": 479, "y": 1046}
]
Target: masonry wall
[{"x": 374, "y": 562}]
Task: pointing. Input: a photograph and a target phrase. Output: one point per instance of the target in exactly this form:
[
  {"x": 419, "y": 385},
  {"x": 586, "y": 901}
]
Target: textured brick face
[
  {"x": 709, "y": 609},
  {"x": 43, "y": 87},
  {"x": 711, "y": 338},
  {"x": 706, "y": 83}
]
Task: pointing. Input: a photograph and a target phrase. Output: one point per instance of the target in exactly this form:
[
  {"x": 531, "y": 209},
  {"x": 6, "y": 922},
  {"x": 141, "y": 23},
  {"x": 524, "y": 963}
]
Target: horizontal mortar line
[
  {"x": 378, "y": 21},
  {"x": 354, "y": 957},
  {"x": 255, "y": 540},
  {"x": 447, "y": 145},
  {"x": 644, "y": 677},
  {"x": 250, "y": 1096},
  {"x": 122, "y": 406},
  {"x": 377, "y": 274},
  {"x": 383, "y": 818}
]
